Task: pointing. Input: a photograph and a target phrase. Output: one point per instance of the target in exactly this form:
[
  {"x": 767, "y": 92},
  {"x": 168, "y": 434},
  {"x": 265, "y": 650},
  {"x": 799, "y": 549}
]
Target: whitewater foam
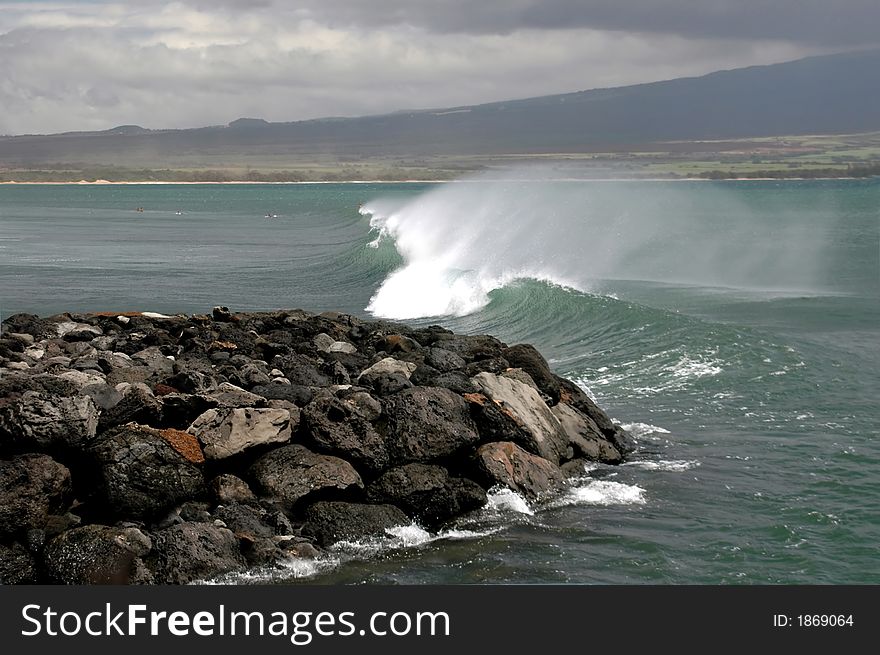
[
  {"x": 671, "y": 465},
  {"x": 502, "y": 499},
  {"x": 602, "y": 492}
]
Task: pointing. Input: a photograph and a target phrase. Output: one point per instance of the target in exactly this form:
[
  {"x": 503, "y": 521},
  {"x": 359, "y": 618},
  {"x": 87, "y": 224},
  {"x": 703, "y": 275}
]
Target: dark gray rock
[
  {"x": 577, "y": 398},
  {"x": 155, "y": 361},
  {"x": 245, "y": 520},
  {"x": 331, "y": 522},
  {"x": 180, "y": 410},
  {"x": 471, "y": 348},
  {"x": 190, "y": 381},
  {"x": 456, "y": 381},
  {"x": 188, "y": 552},
  {"x": 293, "y": 474},
  {"x": 17, "y": 566},
  {"x": 496, "y": 424},
  {"x": 342, "y": 427},
  {"x": 228, "y": 488},
  {"x": 31, "y": 324},
  {"x": 12, "y": 387},
  {"x": 385, "y": 384},
  {"x": 300, "y": 370},
  {"x": 294, "y": 393},
  {"x": 98, "y": 554},
  {"x": 138, "y": 405},
  {"x": 140, "y": 475},
  {"x": 32, "y": 487},
  {"x": 427, "y": 493},
  {"x": 428, "y": 423},
  {"x": 41, "y": 421},
  {"x": 444, "y": 360}
]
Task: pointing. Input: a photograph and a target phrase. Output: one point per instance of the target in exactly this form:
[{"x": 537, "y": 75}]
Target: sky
[{"x": 96, "y": 64}]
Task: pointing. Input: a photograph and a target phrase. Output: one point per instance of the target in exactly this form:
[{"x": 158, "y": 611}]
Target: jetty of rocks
[{"x": 153, "y": 449}]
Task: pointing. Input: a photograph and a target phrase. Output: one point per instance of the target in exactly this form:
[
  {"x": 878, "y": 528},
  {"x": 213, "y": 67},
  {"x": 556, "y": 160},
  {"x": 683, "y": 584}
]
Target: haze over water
[{"x": 732, "y": 326}]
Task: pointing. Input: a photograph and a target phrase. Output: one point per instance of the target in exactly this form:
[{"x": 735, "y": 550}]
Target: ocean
[{"x": 732, "y": 327}]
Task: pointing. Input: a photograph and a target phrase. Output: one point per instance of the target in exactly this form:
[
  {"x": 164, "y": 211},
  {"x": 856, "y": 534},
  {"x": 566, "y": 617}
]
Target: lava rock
[
  {"x": 98, "y": 554},
  {"x": 508, "y": 465},
  {"x": 331, "y": 522},
  {"x": 228, "y": 488},
  {"x": 32, "y": 487},
  {"x": 141, "y": 475},
  {"x": 427, "y": 493},
  {"x": 188, "y": 552},
  {"x": 428, "y": 423},
  {"x": 584, "y": 436},
  {"x": 138, "y": 405},
  {"x": 17, "y": 566},
  {"x": 343, "y": 427},
  {"x": 294, "y": 473},
  {"x": 41, "y": 421}
]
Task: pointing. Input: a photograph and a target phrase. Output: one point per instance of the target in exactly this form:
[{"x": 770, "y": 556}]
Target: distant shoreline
[{"x": 437, "y": 181}]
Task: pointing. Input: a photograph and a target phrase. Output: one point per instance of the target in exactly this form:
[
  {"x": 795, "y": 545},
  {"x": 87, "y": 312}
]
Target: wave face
[{"x": 458, "y": 242}]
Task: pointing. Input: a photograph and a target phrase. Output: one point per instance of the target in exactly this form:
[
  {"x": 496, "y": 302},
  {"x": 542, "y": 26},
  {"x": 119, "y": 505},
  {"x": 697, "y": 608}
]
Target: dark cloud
[
  {"x": 841, "y": 23},
  {"x": 91, "y": 65}
]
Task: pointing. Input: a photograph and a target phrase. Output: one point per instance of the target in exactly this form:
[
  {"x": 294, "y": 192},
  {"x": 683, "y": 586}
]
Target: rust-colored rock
[{"x": 185, "y": 444}]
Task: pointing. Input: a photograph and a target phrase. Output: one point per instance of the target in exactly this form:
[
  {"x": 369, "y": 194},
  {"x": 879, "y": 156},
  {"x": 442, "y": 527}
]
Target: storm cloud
[{"x": 94, "y": 65}]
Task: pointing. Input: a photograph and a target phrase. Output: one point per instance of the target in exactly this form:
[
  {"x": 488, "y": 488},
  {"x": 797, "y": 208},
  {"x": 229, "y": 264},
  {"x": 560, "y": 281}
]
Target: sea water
[{"x": 732, "y": 327}]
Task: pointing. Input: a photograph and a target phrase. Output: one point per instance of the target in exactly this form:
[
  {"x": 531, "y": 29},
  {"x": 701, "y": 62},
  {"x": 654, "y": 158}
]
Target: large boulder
[
  {"x": 98, "y": 554},
  {"x": 31, "y": 324},
  {"x": 428, "y": 423},
  {"x": 226, "y": 432},
  {"x": 444, "y": 360},
  {"x": 157, "y": 363},
  {"x": 32, "y": 487},
  {"x": 343, "y": 427},
  {"x": 138, "y": 405},
  {"x": 230, "y": 395},
  {"x": 141, "y": 475},
  {"x": 576, "y": 397},
  {"x": 527, "y": 357},
  {"x": 470, "y": 347},
  {"x": 508, "y": 465},
  {"x": 332, "y": 522},
  {"x": 523, "y": 403},
  {"x": 584, "y": 436},
  {"x": 42, "y": 421},
  {"x": 388, "y": 366},
  {"x": 187, "y": 552},
  {"x": 300, "y": 370},
  {"x": 427, "y": 493},
  {"x": 294, "y": 473}
]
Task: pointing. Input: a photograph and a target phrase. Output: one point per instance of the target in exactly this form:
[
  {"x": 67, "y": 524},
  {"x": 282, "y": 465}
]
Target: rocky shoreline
[{"x": 140, "y": 448}]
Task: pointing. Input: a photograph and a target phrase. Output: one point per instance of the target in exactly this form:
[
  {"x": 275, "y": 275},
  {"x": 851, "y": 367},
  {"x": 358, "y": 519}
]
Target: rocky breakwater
[{"x": 143, "y": 448}]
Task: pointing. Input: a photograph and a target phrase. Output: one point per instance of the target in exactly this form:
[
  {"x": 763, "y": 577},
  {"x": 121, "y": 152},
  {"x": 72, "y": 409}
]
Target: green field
[{"x": 839, "y": 155}]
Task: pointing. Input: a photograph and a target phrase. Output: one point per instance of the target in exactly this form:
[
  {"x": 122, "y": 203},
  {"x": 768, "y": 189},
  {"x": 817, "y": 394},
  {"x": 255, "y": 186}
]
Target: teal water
[{"x": 733, "y": 326}]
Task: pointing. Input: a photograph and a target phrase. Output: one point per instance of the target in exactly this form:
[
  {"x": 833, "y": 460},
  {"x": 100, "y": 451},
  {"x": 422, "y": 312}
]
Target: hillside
[{"x": 836, "y": 94}]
